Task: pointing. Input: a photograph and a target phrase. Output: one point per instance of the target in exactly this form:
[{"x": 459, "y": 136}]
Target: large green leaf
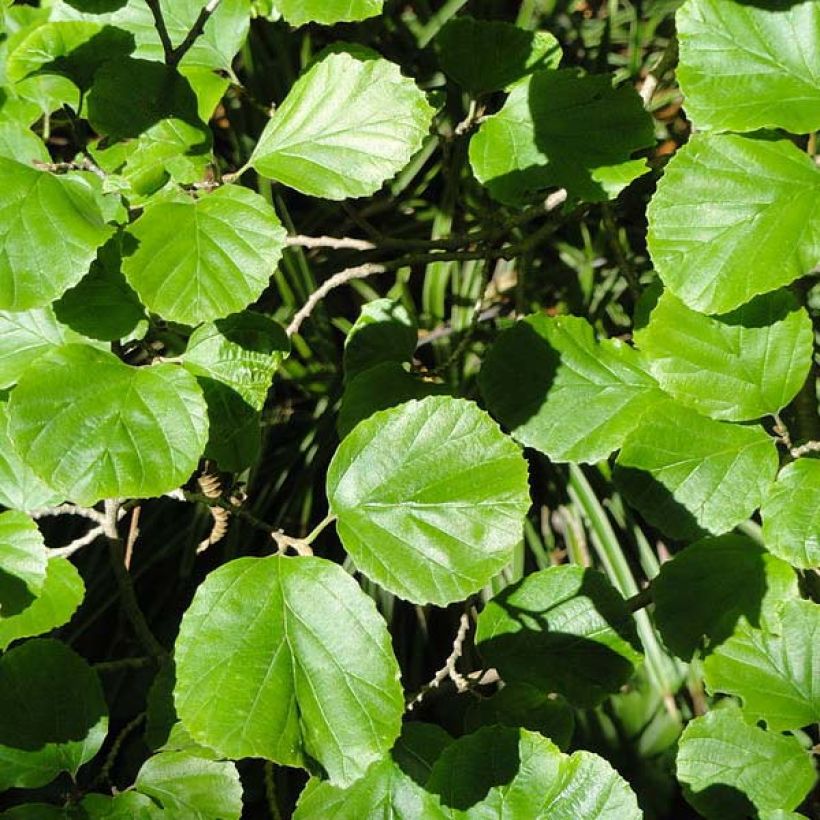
[
  {"x": 430, "y": 498},
  {"x": 202, "y": 259},
  {"x": 775, "y": 670},
  {"x": 128, "y": 805},
  {"x": 488, "y": 55},
  {"x": 505, "y": 772},
  {"x": 62, "y": 594},
  {"x": 20, "y": 143},
  {"x": 559, "y": 128},
  {"x": 704, "y": 592},
  {"x": 242, "y": 351},
  {"x": 50, "y": 229},
  {"x": 23, "y": 562},
  {"x": 287, "y": 659},
  {"x": 562, "y": 392},
  {"x": 149, "y": 424},
  {"x": 744, "y": 365},
  {"x": 563, "y": 629},
  {"x": 791, "y": 514},
  {"x": 299, "y": 12},
  {"x": 729, "y": 768},
  {"x": 734, "y": 217},
  {"x": 189, "y": 787},
  {"x": 54, "y": 716},
  {"x": 20, "y": 487},
  {"x": 687, "y": 473},
  {"x": 344, "y": 113},
  {"x": 745, "y": 66}
]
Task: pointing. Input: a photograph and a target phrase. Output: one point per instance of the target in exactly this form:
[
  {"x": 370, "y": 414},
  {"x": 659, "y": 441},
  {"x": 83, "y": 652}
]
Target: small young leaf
[
  {"x": 791, "y": 514},
  {"x": 50, "y": 229},
  {"x": 687, "y": 474},
  {"x": 569, "y": 396},
  {"x": 703, "y": 593},
  {"x": 563, "y": 629},
  {"x": 745, "y": 66},
  {"x": 729, "y": 768},
  {"x": 344, "y": 113},
  {"x": 328, "y": 12},
  {"x": 773, "y": 669},
  {"x": 62, "y": 593},
  {"x": 23, "y": 561},
  {"x": 743, "y": 365},
  {"x": 489, "y": 55},
  {"x": 560, "y": 128},
  {"x": 430, "y": 498},
  {"x": 186, "y": 785},
  {"x": 287, "y": 659},
  {"x": 150, "y": 424},
  {"x": 734, "y": 217},
  {"x": 506, "y": 772},
  {"x": 203, "y": 259},
  {"x": 54, "y": 716}
]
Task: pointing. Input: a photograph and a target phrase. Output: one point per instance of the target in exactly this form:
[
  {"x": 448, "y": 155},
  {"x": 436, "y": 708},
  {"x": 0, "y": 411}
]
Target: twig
[
  {"x": 105, "y": 772},
  {"x": 805, "y": 449},
  {"x": 133, "y": 534},
  {"x": 122, "y": 664},
  {"x": 301, "y": 546},
  {"x": 196, "y": 30},
  {"x": 84, "y": 164},
  {"x": 69, "y": 509},
  {"x": 782, "y": 432},
  {"x": 211, "y": 487},
  {"x": 234, "y": 510},
  {"x": 333, "y": 242},
  {"x": 270, "y": 792},
  {"x": 641, "y": 600},
  {"x": 128, "y": 597},
  {"x": 162, "y": 29},
  {"x": 78, "y": 543}
]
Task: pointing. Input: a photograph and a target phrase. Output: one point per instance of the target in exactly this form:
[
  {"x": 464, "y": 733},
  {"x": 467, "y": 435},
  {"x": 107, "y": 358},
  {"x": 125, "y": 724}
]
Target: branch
[
  {"x": 78, "y": 543},
  {"x": 333, "y": 242},
  {"x": 805, "y": 449},
  {"x": 162, "y": 29},
  {"x": 69, "y": 509},
  {"x": 196, "y": 30}
]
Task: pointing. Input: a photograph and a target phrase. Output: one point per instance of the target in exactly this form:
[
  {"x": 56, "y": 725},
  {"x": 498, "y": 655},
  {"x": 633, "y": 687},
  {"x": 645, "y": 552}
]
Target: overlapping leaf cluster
[{"x": 287, "y": 658}]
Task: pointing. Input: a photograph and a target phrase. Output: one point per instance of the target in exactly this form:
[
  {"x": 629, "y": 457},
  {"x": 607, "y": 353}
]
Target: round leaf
[
  {"x": 20, "y": 143},
  {"x": 344, "y": 113},
  {"x": 687, "y": 474},
  {"x": 149, "y": 424},
  {"x": 568, "y": 395},
  {"x": 729, "y": 768},
  {"x": 430, "y": 498},
  {"x": 203, "y": 259},
  {"x": 504, "y": 772},
  {"x": 564, "y": 629},
  {"x": 734, "y": 217},
  {"x": 287, "y": 659},
  {"x": 23, "y": 562},
  {"x": 54, "y": 716},
  {"x": 791, "y": 514},
  {"x": 774, "y": 670},
  {"x": 745, "y": 66},
  {"x": 328, "y": 12},
  {"x": 744, "y": 365},
  {"x": 50, "y": 229}
]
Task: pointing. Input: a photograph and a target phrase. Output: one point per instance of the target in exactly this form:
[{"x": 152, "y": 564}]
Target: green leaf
[
  {"x": 687, "y": 474},
  {"x": 20, "y": 487},
  {"x": 729, "y": 768},
  {"x": 386, "y": 385},
  {"x": 430, "y": 498},
  {"x": 773, "y": 669},
  {"x": 791, "y": 514},
  {"x": 489, "y": 55},
  {"x": 743, "y": 365},
  {"x": 384, "y": 332},
  {"x": 745, "y": 66},
  {"x": 20, "y": 143},
  {"x": 37, "y": 811},
  {"x": 287, "y": 659},
  {"x": 734, "y": 217},
  {"x": 563, "y": 629},
  {"x": 242, "y": 351},
  {"x": 62, "y": 594},
  {"x": 149, "y": 422},
  {"x": 23, "y": 562},
  {"x": 199, "y": 260},
  {"x": 560, "y": 128},
  {"x": 54, "y": 716},
  {"x": 187, "y": 786},
  {"x": 504, "y": 772},
  {"x": 344, "y": 113},
  {"x": 712, "y": 586},
  {"x": 385, "y": 791},
  {"x": 127, "y": 805},
  {"x": 519, "y": 704},
  {"x": 562, "y": 392},
  {"x": 418, "y": 748},
  {"x": 328, "y": 12},
  {"x": 50, "y": 229}
]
